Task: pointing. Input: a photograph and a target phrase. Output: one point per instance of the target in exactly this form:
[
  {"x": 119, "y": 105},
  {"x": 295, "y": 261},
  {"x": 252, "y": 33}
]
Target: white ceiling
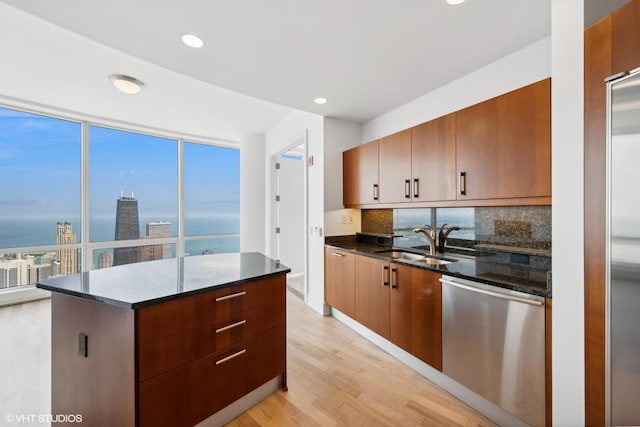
[{"x": 366, "y": 56}]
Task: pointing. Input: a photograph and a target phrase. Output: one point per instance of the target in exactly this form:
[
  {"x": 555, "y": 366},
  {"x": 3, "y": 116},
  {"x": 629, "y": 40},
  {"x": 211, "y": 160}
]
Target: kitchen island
[{"x": 168, "y": 342}]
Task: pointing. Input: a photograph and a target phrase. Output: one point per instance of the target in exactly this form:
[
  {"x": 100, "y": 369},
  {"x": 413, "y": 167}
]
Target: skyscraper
[
  {"x": 157, "y": 229},
  {"x": 127, "y": 228},
  {"x": 105, "y": 259},
  {"x": 67, "y": 258}
]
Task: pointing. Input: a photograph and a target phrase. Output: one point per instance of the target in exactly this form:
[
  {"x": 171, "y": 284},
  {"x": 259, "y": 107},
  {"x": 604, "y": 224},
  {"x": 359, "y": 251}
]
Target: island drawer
[
  {"x": 190, "y": 393},
  {"x": 171, "y": 351},
  {"x": 174, "y": 317}
]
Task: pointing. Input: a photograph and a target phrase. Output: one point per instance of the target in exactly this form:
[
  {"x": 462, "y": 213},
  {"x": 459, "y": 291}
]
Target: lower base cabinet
[
  {"x": 402, "y": 304},
  {"x": 416, "y": 313}
]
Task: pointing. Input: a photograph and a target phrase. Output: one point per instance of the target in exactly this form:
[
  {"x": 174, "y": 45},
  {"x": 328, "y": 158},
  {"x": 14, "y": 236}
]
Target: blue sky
[
  {"x": 39, "y": 165},
  {"x": 40, "y": 171}
]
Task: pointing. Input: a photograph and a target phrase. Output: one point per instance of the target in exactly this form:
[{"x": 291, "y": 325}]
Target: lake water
[{"x": 42, "y": 231}]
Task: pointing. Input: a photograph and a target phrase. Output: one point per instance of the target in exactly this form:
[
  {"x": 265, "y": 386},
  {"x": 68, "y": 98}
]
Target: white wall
[
  {"x": 339, "y": 135},
  {"x": 567, "y": 32},
  {"x": 252, "y": 190},
  {"x": 528, "y": 65},
  {"x": 283, "y": 135}
]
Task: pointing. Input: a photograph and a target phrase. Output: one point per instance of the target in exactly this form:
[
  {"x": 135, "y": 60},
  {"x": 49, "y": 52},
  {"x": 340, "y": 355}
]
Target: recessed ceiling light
[
  {"x": 126, "y": 84},
  {"x": 455, "y": 2},
  {"x": 192, "y": 40},
  {"x": 320, "y": 101}
]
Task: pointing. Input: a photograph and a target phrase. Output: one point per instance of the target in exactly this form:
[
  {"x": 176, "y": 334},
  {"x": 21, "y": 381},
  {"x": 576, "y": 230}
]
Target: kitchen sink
[{"x": 410, "y": 256}]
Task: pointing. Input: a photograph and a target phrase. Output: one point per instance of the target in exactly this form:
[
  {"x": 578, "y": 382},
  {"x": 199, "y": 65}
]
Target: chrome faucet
[
  {"x": 431, "y": 235},
  {"x": 442, "y": 237}
]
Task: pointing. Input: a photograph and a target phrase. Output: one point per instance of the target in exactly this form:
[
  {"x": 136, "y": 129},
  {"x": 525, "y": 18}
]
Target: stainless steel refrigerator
[{"x": 623, "y": 249}]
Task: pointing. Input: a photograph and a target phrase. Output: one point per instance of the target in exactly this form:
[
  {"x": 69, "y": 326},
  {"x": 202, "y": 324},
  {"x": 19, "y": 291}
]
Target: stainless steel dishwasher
[{"x": 493, "y": 342}]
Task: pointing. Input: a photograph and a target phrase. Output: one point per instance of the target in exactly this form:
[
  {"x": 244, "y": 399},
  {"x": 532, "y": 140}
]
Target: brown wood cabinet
[
  {"x": 372, "y": 294},
  {"x": 173, "y": 363},
  {"x": 492, "y": 153},
  {"x": 504, "y": 146},
  {"x": 416, "y": 313},
  {"x": 419, "y": 164},
  {"x": 394, "y": 168},
  {"x": 433, "y": 160},
  {"x": 400, "y": 303},
  {"x": 339, "y": 281},
  {"x": 360, "y": 175}
]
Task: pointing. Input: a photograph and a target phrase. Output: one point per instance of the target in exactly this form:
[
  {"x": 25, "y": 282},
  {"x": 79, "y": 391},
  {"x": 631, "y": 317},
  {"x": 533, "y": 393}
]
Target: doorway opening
[{"x": 289, "y": 213}]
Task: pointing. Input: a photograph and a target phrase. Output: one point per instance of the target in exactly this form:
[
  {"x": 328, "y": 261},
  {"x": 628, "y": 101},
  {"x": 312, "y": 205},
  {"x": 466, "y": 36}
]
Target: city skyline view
[
  {"x": 40, "y": 168},
  {"x": 40, "y": 204}
]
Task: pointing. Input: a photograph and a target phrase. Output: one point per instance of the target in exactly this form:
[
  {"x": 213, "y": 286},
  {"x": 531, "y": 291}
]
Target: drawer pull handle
[
  {"x": 239, "y": 294},
  {"x": 233, "y": 356},
  {"x": 337, "y": 254},
  {"x": 231, "y": 326}
]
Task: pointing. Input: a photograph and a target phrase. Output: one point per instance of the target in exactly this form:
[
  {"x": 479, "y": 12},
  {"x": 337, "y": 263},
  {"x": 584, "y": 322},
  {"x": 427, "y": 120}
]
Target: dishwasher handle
[{"x": 493, "y": 294}]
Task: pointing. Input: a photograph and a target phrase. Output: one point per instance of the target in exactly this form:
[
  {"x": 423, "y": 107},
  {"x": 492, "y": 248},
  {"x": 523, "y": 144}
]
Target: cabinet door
[
  {"x": 504, "y": 145},
  {"x": 372, "y": 294},
  {"x": 339, "y": 281},
  {"x": 360, "y": 175},
  {"x": 394, "y": 171},
  {"x": 433, "y": 160},
  {"x": 416, "y": 313},
  {"x": 524, "y": 135},
  {"x": 477, "y": 151}
]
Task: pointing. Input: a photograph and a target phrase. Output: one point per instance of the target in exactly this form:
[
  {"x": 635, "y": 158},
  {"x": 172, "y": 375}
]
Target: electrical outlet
[{"x": 345, "y": 219}]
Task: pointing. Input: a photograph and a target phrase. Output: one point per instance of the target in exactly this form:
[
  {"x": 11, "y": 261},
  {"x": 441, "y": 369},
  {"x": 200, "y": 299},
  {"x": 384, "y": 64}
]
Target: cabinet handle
[
  {"x": 233, "y": 325},
  {"x": 407, "y": 188},
  {"x": 233, "y": 356},
  {"x": 337, "y": 254},
  {"x": 416, "y": 188},
  {"x": 236, "y": 295},
  {"x": 394, "y": 283},
  {"x": 375, "y": 191},
  {"x": 385, "y": 281},
  {"x": 463, "y": 183}
]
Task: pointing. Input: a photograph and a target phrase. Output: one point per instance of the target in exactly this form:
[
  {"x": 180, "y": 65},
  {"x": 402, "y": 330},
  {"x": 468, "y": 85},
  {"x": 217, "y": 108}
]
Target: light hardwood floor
[
  {"x": 335, "y": 377},
  {"x": 338, "y": 378}
]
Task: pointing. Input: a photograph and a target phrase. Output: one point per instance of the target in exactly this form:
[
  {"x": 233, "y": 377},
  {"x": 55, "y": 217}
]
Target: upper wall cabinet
[
  {"x": 504, "y": 146},
  {"x": 492, "y": 153},
  {"x": 394, "y": 168},
  {"x": 419, "y": 164},
  {"x": 360, "y": 175},
  {"x": 433, "y": 154}
]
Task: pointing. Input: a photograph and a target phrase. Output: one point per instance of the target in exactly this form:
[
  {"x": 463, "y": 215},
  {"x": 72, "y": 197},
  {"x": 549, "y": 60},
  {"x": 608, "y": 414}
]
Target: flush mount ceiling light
[
  {"x": 320, "y": 101},
  {"x": 455, "y": 2},
  {"x": 192, "y": 41},
  {"x": 126, "y": 84}
]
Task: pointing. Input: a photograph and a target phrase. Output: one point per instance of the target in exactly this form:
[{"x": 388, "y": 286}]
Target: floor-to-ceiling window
[{"x": 77, "y": 196}]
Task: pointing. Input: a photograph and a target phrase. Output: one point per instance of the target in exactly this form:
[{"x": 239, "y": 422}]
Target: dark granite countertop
[
  {"x": 147, "y": 283},
  {"x": 479, "y": 268}
]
